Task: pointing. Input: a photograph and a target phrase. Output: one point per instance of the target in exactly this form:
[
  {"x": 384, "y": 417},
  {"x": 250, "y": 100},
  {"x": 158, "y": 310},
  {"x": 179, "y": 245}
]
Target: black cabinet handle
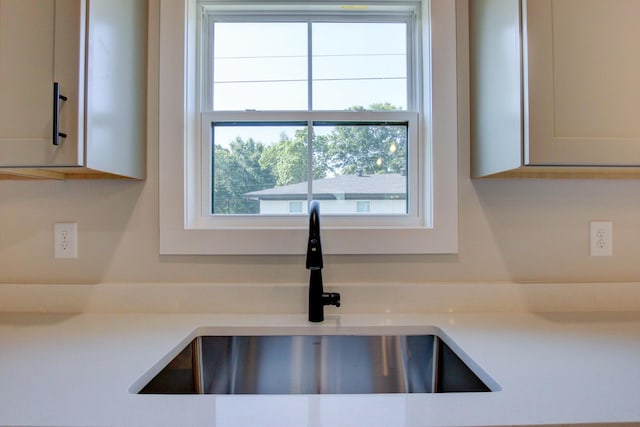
[{"x": 57, "y": 97}]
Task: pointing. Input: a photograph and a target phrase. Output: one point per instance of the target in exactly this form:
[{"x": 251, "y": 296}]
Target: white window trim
[{"x": 438, "y": 127}]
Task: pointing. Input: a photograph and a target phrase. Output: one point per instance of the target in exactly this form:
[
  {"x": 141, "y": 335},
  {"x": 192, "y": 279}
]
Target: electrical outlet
[
  {"x": 65, "y": 240},
  {"x": 600, "y": 238}
]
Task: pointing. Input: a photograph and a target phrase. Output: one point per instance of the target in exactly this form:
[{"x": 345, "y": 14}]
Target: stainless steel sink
[{"x": 323, "y": 364}]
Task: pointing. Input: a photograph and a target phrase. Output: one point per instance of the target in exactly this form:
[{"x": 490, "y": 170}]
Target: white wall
[{"x": 519, "y": 230}]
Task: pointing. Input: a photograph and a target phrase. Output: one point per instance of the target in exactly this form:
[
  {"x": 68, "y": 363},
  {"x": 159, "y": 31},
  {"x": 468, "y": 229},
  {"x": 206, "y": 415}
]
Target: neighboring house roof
[{"x": 342, "y": 187}]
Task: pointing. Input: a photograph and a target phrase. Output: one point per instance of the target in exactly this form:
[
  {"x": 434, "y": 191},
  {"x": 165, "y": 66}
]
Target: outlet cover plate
[
  {"x": 600, "y": 238},
  {"x": 65, "y": 240}
]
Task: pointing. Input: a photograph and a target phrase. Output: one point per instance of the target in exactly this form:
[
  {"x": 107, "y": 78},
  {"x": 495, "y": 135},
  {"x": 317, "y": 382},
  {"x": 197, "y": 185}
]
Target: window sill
[{"x": 294, "y": 242}]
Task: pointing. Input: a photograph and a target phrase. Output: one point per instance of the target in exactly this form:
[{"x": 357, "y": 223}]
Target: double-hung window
[{"x": 284, "y": 102}]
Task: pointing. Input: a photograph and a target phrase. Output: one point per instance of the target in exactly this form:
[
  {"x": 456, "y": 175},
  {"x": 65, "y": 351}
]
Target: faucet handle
[{"x": 331, "y": 298}]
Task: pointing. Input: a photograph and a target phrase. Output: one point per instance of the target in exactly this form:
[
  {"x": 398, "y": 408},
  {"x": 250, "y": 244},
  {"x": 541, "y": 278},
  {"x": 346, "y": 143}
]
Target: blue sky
[{"x": 263, "y": 66}]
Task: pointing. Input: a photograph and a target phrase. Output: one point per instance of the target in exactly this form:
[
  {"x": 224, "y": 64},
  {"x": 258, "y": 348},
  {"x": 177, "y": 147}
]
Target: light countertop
[{"x": 556, "y": 368}]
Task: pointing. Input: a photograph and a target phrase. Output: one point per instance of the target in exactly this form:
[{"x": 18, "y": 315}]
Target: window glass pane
[
  {"x": 251, "y": 164},
  {"x": 262, "y": 168},
  {"x": 260, "y": 66},
  {"x": 363, "y": 163},
  {"x": 359, "y": 64}
]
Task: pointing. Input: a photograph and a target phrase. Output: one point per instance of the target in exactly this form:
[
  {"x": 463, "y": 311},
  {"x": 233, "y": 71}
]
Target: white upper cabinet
[
  {"x": 95, "y": 52},
  {"x": 555, "y": 87}
]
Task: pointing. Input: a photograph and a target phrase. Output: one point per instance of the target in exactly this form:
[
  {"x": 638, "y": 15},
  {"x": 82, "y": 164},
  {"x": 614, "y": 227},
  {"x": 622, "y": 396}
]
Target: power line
[
  {"x": 305, "y": 80},
  {"x": 217, "y": 58}
]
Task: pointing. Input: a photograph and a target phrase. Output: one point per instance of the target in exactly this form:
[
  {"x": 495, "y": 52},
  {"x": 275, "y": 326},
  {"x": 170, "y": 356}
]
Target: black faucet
[{"x": 317, "y": 297}]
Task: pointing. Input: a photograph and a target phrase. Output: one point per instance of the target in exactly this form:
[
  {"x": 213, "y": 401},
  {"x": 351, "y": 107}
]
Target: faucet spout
[
  {"x": 314, "y": 247},
  {"x": 317, "y": 297}
]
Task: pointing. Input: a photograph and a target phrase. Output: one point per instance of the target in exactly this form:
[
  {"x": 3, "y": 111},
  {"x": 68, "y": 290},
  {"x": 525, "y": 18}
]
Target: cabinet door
[
  {"x": 582, "y": 75},
  {"x": 35, "y": 51}
]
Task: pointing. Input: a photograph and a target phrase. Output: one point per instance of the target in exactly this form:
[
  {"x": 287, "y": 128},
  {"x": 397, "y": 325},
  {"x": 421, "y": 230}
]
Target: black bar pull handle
[{"x": 57, "y": 97}]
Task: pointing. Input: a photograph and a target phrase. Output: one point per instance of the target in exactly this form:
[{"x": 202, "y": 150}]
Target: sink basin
[{"x": 315, "y": 364}]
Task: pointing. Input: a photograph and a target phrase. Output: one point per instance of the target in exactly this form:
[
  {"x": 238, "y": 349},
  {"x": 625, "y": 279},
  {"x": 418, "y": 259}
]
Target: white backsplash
[{"x": 292, "y": 298}]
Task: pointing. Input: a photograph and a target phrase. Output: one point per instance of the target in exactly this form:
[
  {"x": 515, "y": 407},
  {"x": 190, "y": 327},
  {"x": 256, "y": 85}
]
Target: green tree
[
  {"x": 288, "y": 159},
  {"x": 373, "y": 149},
  {"x": 237, "y": 171}
]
